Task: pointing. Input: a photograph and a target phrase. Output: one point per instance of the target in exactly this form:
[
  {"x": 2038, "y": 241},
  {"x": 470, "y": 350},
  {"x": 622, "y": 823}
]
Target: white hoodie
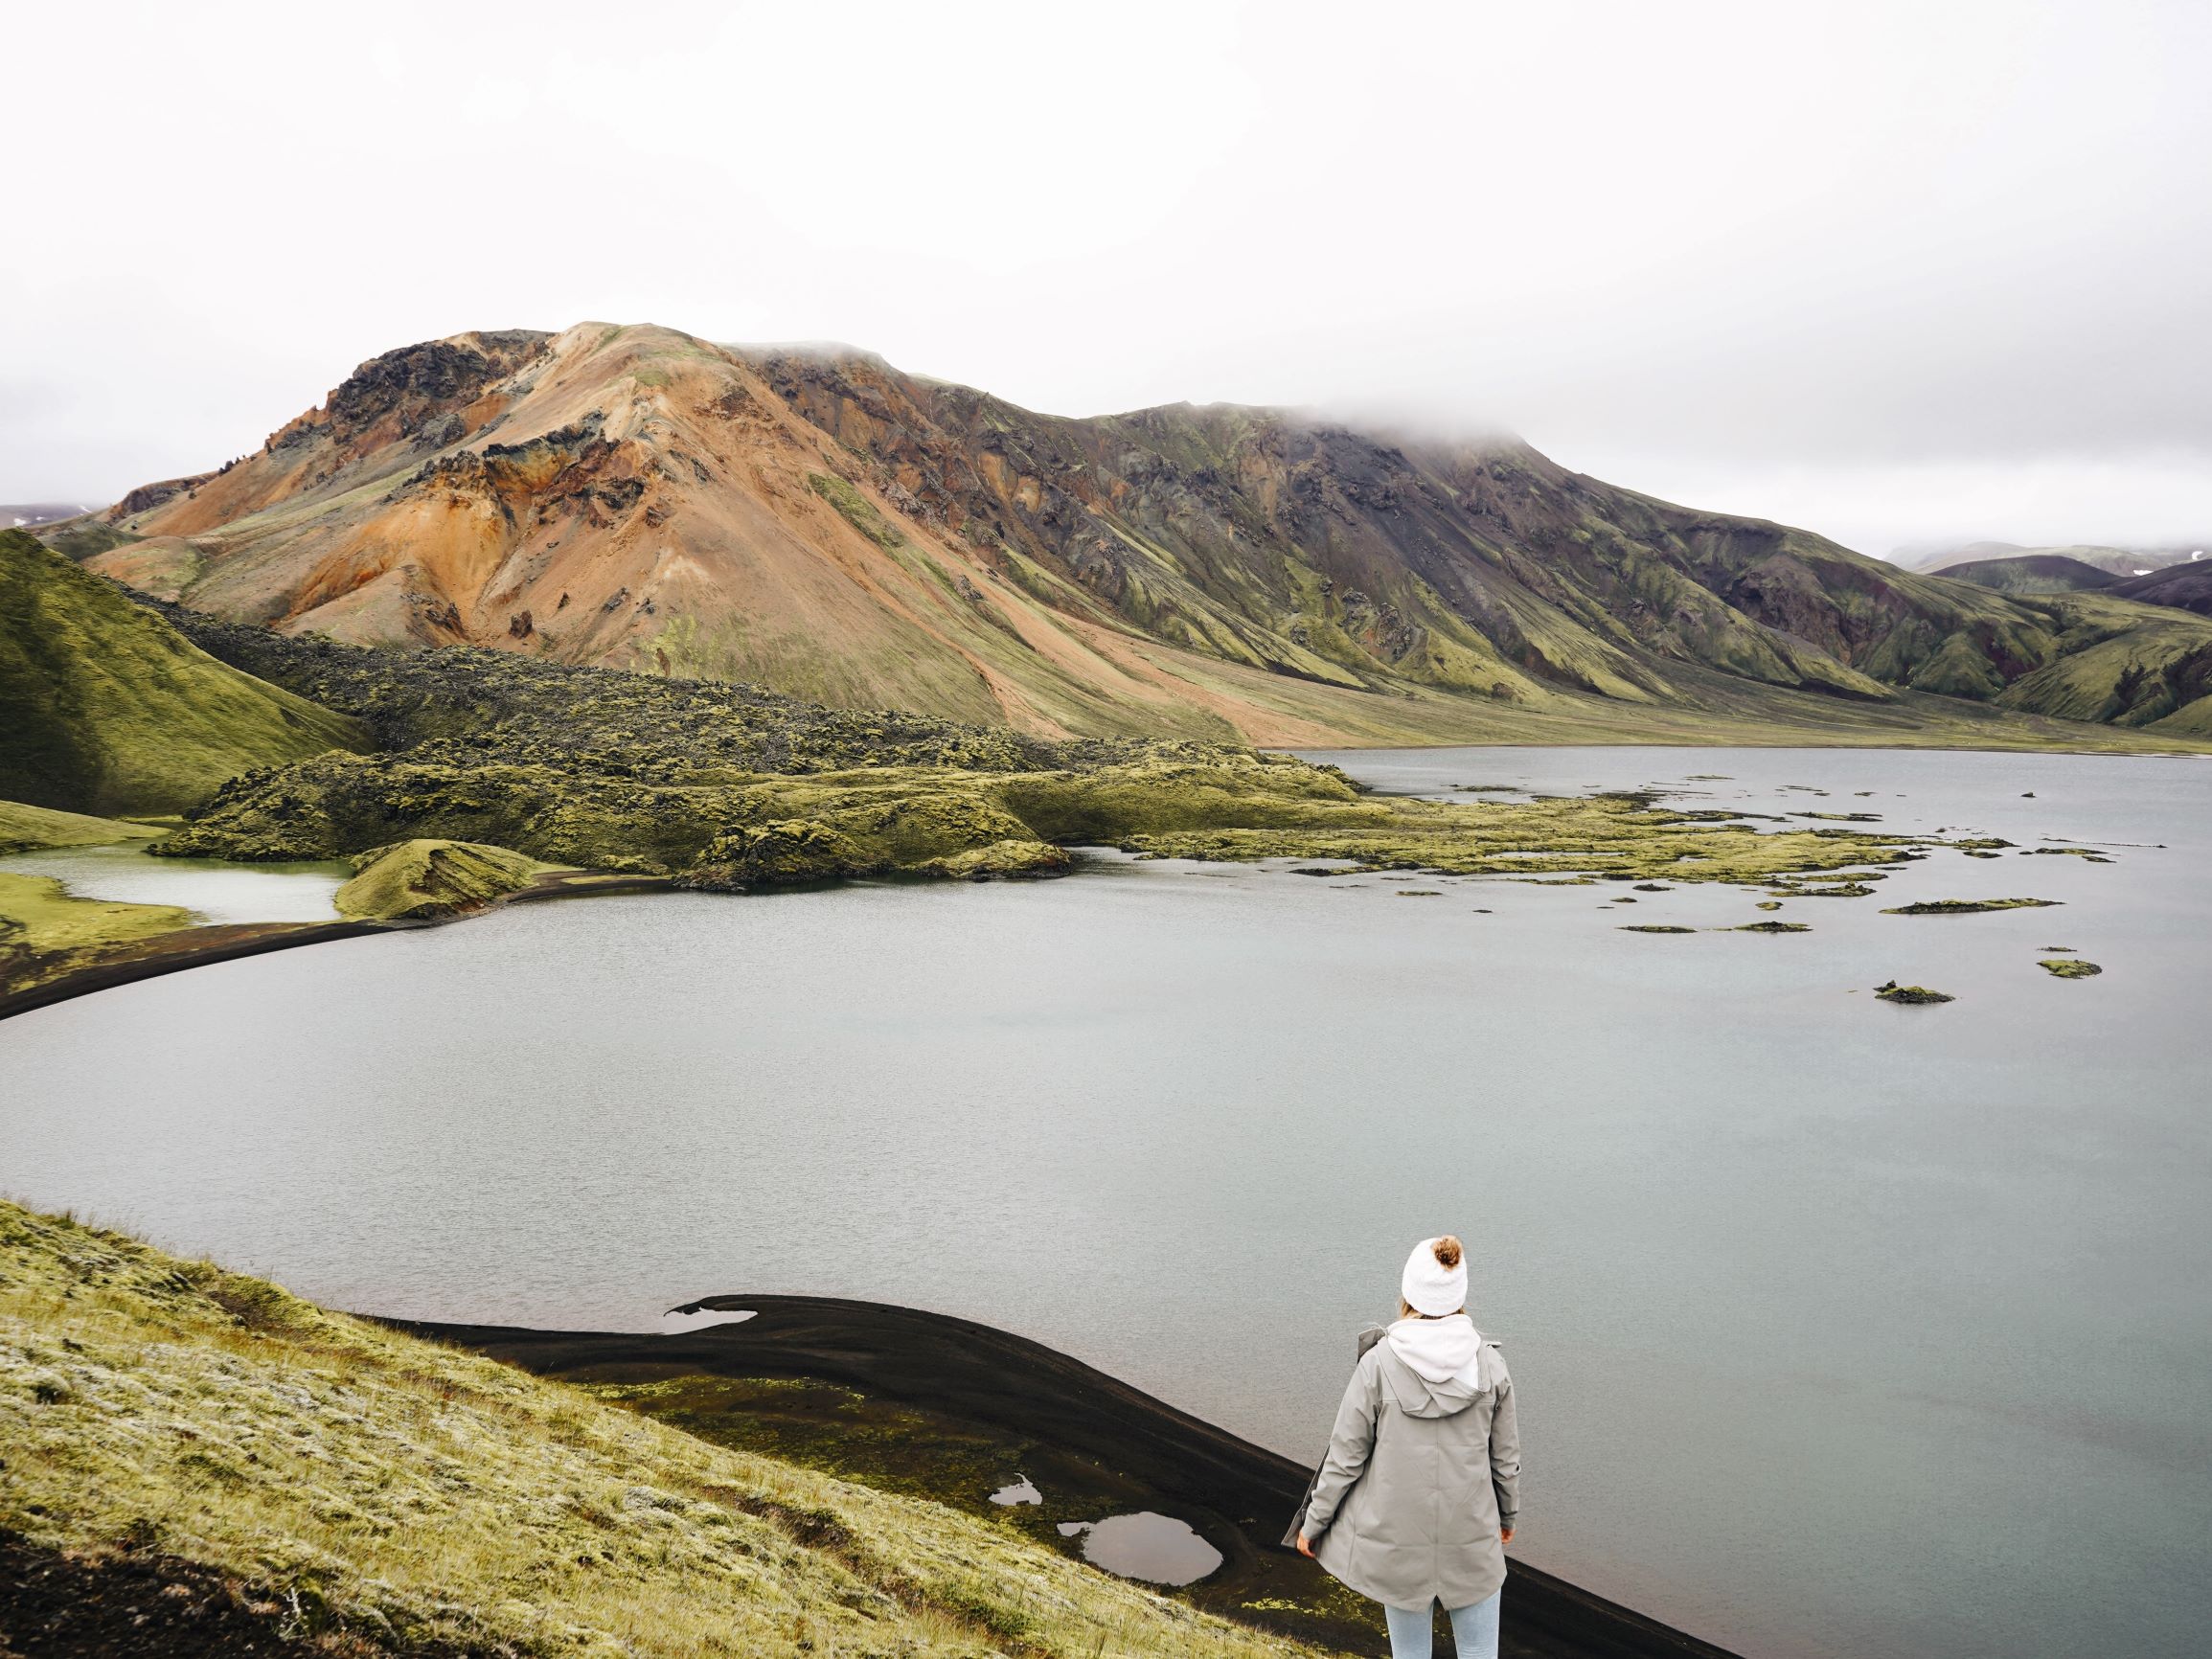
[{"x": 1445, "y": 1350}]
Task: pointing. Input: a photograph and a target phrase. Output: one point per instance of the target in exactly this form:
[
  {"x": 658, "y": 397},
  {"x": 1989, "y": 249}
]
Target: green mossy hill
[
  {"x": 2070, "y": 968},
  {"x": 2032, "y": 573},
  {"x": 431, "y": 880},
  {"x": 401, "y": 1497},
  {"x": 27, "y": 829},
  {"x": 2123, "y": 664},
  {"x": 105, "y": 708},
  {"x": 1970, "y": 906}
]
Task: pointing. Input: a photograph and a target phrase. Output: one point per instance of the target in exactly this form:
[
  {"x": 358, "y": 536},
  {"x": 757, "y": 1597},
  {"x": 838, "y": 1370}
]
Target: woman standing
[{"x": 1421, "y": 1486}]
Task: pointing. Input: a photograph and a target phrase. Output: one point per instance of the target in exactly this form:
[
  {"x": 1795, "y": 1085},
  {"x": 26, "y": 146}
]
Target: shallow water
[
  {"x": 1840, "y": 1329},
  {"x": 216, "y": 891},
  {"x": 1157, "y": 1548}
]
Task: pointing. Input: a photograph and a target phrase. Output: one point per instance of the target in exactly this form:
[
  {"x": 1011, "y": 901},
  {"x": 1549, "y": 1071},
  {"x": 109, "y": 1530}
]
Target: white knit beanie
[{"x": 1430, "y": 1287}]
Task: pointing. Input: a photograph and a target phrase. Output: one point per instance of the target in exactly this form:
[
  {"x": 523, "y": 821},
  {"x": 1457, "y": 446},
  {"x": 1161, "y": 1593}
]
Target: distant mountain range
[
  {"x": 28, "y": 514},
  {"x": 814, "y": 520},
  {"x": 2113, "y": 560},
  {"x": 2185, "y": 585}
]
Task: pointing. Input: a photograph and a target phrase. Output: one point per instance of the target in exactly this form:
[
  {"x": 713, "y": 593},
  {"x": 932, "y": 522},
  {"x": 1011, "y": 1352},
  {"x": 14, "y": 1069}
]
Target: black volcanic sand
[{"x": 951, "y": 1409}]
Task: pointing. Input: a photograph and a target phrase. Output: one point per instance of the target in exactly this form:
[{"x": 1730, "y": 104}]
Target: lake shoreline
[
  {"x": 169, "y": 953},
  {"x": 931, "y": 1374}
]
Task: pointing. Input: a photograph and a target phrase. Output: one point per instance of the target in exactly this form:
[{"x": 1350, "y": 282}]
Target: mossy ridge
[
  {"x": 1574, "y": 837},
  {"x": 33, "y": 829},
  {"x": 1970, "y": 906},
  {"x": 431, "y": 880},
  {"x": 720, "y": 831},
  {"x": 409, "y": 1496}
]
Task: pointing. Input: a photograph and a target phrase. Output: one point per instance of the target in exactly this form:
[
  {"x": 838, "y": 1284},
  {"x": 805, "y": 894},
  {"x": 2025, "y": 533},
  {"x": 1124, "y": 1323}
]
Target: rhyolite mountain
[{"x": 816, "y": 521}]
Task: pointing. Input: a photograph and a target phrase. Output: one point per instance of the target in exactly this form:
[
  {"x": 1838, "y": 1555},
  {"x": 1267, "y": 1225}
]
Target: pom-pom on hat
[{"x": 1434, "y": 1282}]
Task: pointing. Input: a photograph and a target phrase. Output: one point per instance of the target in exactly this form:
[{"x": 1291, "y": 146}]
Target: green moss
[
  {"x": 2070, "y": 968},
  {"x": 1774, "y": 927},
  {"x": 426, "y": 880},
  {"x": 855, "y": 508},
  {"x": 1969, "y": 906},
  {"x": 1654, "y": 927}
]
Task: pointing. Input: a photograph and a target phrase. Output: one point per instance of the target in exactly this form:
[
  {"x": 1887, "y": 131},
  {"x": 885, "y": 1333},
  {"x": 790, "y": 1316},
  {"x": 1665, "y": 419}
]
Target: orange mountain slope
[{"x": 816, "y": 521}]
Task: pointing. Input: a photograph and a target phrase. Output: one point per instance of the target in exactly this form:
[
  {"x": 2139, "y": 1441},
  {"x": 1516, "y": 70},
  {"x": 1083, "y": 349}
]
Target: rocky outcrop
[{"x": 433, "y": 881}]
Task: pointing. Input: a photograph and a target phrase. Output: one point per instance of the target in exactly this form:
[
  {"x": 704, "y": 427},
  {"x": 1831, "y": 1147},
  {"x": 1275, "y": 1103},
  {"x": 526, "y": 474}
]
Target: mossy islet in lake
[
  {"x": 2070, "y": 968},
  {"x": 1969, "y": 906},
  {"x": 1911, "y": 994}
]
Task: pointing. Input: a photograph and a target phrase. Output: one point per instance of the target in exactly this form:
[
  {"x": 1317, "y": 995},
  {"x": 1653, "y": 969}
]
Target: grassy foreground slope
[
  {"x": 388, "y": 1495},
  {"x": 105, "y": 708}
]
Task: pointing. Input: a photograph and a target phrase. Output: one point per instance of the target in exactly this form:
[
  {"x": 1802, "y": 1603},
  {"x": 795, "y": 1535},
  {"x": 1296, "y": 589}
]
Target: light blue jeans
[{"x": 1474, "y": 1629}]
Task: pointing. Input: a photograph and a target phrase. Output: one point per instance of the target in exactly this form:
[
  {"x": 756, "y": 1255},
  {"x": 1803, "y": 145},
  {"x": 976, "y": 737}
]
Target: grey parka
[{"x": 1419, "y": 1480}]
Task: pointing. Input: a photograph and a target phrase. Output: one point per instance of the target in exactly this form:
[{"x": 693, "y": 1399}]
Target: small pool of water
[
  {"x": 1022, "y": 1491},
  {"x": 214, "y": 891},
  {"x": 1158, "y": 1549},
  {"x": 680, "y": 1321}
]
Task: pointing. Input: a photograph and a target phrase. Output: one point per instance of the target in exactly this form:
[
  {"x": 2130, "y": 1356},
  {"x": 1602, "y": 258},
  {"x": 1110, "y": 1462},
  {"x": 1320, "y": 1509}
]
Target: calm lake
[{"x": 1840, "y": 1329}]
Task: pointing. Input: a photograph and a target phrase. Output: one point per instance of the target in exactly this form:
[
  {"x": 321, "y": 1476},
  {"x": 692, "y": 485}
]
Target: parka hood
[{"x": 1432, "y": 1367}]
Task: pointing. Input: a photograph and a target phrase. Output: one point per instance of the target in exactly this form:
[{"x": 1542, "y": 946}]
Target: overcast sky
[{"x": 1898, "y": 273}]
